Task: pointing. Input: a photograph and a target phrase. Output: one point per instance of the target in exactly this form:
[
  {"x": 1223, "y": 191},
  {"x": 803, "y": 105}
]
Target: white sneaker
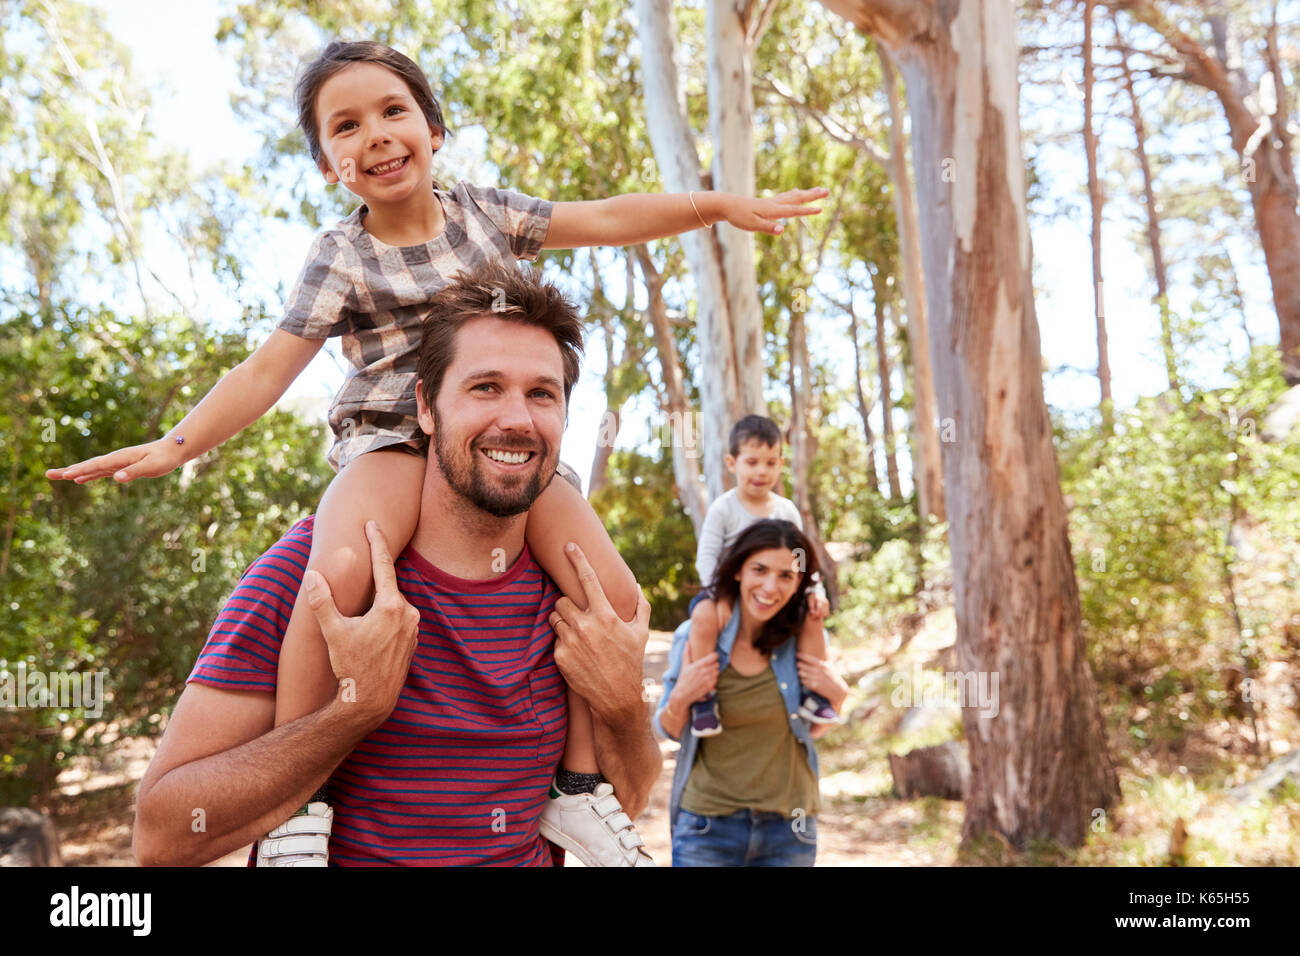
[
  {"x": 302, "y": 840},
  {"x": 594, "y": 828}
]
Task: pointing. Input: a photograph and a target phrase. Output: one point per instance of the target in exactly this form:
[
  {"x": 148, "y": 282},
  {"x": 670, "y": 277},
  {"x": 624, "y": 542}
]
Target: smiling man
[{"x": 450, "y": 720}]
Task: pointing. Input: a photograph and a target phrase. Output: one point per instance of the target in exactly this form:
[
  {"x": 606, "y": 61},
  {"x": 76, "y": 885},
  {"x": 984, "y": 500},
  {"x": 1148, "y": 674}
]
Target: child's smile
[{"x": 376, "y": 142}]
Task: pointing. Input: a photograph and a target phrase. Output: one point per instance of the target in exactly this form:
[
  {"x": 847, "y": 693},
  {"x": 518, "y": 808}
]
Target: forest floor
[{"x": 862, "y": 822}]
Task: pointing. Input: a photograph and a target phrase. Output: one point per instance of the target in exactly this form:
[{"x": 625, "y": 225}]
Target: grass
[{"x": 1180, "y": 776}]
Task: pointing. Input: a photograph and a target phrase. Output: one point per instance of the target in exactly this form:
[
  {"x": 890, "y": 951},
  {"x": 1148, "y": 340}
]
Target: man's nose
[{"x": 513, "y": 413}]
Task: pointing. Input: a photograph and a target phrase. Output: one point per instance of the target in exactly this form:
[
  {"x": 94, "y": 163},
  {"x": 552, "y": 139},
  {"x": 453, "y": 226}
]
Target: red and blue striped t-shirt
[{"x": 459, "y": 772}]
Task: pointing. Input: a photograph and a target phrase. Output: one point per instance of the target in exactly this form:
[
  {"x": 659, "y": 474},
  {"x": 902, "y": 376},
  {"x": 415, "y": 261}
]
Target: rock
[
  {"x": 918, "y": 720},
  {"x": 27, "y": 838},
  {"x": 940, "y": 771},
  {"x": 1273, "y": 776}
]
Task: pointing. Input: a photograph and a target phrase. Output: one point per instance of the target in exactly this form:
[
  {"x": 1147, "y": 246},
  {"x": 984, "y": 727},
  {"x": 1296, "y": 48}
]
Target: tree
[
  {"x": 811, "y": 95},
  {"x": 1096, "y": 203},
  {"x": 1040, "y": 767},
  {"x": 728, "y": 315},
  {"x": 1258, "y": 113}
]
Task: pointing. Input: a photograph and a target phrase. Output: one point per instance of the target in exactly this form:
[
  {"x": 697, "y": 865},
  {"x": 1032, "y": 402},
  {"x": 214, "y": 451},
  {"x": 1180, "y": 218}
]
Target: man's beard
[{"x": 469, "y": 478}]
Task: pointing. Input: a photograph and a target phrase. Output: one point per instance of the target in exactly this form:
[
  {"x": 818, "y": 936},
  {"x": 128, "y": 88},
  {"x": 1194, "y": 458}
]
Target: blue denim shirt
[{"x": 785, "y": 667}]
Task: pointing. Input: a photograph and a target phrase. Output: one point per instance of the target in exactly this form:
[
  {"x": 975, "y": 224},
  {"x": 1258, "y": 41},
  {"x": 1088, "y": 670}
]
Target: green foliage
[
  {"x": 124, "y": 579},
  {"x": 651, "y": 531},
  {"x": 1150, "y": 530}
]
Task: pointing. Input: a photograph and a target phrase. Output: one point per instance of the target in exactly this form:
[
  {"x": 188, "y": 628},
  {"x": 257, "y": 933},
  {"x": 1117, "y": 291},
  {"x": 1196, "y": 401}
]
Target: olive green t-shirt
[{"x": 756, "y": 763}]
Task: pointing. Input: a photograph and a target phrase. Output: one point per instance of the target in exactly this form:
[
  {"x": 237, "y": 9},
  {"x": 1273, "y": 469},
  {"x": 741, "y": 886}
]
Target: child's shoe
[
  {"x": 594, "y": 828},
  {"x": 705, "y": 719},
  {"x": 818, "y": 709},
  {"x": 302, "y": 840}
]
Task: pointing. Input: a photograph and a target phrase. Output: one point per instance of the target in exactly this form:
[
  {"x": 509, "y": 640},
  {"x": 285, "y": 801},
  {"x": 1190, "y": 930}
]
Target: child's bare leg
[
  {"x": 573, "y": 817},
  {"x": 703, "y": 639},
  {"x": 812, "y": 638},
  {"x": 561, "y": 515},
  {"x": 383, "y": 486}
]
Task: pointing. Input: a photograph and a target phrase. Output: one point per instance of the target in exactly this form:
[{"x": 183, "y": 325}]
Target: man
[{"x": 449, "y": 723}]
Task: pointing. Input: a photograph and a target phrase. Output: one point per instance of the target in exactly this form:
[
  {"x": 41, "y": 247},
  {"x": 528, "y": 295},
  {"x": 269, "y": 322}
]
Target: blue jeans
[{"x": 744, "y": 838}]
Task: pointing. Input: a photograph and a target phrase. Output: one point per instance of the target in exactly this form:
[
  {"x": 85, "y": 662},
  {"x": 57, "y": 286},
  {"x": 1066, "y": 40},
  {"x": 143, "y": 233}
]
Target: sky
[{"x": 191, "y": 81}]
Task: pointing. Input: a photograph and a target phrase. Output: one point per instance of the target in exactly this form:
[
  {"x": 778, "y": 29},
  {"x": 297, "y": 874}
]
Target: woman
[{"x": 749, "y": 796}]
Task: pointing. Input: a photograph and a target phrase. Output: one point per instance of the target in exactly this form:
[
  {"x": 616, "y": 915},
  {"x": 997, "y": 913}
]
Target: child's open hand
[
  {"x": 126, "y": 464},
  {"x": 762, "y": 215}
]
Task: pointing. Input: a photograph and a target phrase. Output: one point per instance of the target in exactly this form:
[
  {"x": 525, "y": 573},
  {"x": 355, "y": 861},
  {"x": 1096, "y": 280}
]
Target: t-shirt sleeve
[
  {"x": 712, "y": 535},
  {"x": 787, "y": 510},
  {"x": 523, "y": 220},
  {"x": 243, "y": 647},
  {"x": 324, "y": 297}
]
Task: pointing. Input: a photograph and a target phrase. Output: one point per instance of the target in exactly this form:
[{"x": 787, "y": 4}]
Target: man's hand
[
  {"x": 370, "y": 655},
  {"x": 149, "y": 460},
  {"x": 601, "y": 656},
  {"x": 598, "y": 653}
]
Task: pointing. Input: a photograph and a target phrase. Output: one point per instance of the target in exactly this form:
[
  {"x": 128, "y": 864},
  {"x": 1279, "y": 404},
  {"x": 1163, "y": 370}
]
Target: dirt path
[{"x": 94, "y": 810}]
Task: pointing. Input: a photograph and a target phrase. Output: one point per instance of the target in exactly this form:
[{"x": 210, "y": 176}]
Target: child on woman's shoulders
[{"x": 756, "y": 460}]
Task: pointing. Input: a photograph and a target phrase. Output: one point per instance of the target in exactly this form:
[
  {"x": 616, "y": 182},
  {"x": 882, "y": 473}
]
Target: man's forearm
[
  {"x": 243, "y": 792},
  {"x": 628, "y": 754}
]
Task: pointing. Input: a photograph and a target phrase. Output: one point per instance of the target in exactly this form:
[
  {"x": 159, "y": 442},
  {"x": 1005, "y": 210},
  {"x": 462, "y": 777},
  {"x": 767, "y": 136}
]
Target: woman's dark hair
[
  {"x": 339, "y": 55},
  {"x": 759, "y": 536}
]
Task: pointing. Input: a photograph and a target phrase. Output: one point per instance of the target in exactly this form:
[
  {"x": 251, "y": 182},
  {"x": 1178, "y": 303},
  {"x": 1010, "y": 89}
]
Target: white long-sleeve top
[{"x": 724, "y": 521}]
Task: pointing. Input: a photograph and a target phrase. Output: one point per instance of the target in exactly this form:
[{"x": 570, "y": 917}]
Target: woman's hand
[
  {"x": 762, "y": 215},
  {"x": 697, "y": 680},
  {"x": 149, "y": 460},
  {"x": 818, "y": 675}
]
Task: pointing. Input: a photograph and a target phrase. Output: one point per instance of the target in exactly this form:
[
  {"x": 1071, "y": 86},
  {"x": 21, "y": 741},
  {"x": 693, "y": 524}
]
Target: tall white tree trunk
[
  {"x": 729, "y": 321},
  {"x": 1039, "y": 764},
  {"x": 928, "y": 471},
  {"x": 731, "y": 127}
]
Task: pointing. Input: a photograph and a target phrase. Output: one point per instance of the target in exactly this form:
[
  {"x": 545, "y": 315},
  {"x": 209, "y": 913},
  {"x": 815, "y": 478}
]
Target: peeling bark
[{"x": 1039, "y": 766}]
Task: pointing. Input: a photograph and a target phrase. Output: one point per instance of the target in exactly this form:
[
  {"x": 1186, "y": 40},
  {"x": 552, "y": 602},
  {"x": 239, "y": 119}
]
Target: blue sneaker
[
  {"x": 817, "y": 709},
  {"x": 705, "y": 719}
]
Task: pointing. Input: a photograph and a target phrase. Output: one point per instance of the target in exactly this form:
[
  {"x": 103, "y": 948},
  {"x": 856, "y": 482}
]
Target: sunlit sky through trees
[{"x": 190, "y": 80}]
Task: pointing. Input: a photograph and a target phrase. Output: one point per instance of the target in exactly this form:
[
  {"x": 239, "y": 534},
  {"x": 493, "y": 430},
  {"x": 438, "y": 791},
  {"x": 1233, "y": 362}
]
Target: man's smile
[{"x": 502, "y": 457}]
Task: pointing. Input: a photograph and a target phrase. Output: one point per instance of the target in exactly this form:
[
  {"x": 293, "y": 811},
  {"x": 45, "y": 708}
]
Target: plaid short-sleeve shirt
[{"x": 376, "y": 296}]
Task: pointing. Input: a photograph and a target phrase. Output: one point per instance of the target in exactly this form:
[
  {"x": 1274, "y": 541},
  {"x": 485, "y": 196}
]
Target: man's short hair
[
  {"x": 500, "y": 290},
  {"x": 754, "y": 428}
]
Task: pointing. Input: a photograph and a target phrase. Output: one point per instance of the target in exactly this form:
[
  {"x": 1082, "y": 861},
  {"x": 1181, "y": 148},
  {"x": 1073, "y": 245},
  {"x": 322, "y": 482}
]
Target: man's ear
[
  {"x": 731, "y": 462},
  {"x": 331, "y": 177},
  {"x": 422, "y": 411}
]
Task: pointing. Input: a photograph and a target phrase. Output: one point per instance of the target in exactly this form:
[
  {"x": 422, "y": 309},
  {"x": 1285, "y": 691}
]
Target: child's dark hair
[
  {"x": 754, "y": 428},
  {"x": 759, "y": 536},
  {"x": 339, "y": 55}
]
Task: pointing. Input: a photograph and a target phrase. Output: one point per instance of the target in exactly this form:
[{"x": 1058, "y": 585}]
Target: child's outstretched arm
[
  {"x": 243, "y": 395},
  {"x": 641, "y": 217}
]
